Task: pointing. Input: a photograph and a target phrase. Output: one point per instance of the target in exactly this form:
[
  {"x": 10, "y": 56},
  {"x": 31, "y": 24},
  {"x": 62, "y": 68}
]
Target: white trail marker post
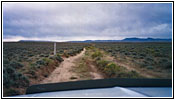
[{"x": 55, "y": 48}]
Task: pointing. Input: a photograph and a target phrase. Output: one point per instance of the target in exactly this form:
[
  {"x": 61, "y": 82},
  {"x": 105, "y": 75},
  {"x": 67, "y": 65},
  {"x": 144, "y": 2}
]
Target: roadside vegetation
[
  {"x": 107, "y": 66},
  {"x": 27, "y": 63},
  {"x": 155, "y": 58}
]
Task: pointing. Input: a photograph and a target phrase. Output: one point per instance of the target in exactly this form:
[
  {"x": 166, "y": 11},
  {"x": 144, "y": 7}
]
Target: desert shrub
[
  {"x": 34, "y": 66},
  {"x": 24, "y": 81},
  {"x": 60, "y": 51},
  {"x": 11, "y": 77},
  {"x": 158, "y": 54},
  {"x": 5, "y": 61},
  {"x": 71, "y": 53},
  {"x": 66, "y": 54},
  {"x": 168, "y": 65},
  {"x": 9, "y": 69},
  {"x": 40, "y": 62},
  {"x": 30, "y": 55},
  {"x": 29, "y": 60},
  {"x": 7, "y": 81},
  {"x": 46, "y": 55},
  {"x": 15, "y": 64},
  {"x": 25, "y": 58},
  {"x": 111, "y": 69},
  {"x": 113, "y": 53},
  {"x": 42, "y": 55},
  {"x": 133, "y": 74},
  {"x": 32, "y": 72},
  {"x": 97, "y": 54},
  {"x": 74, "y": 51},
  {"x": 102, "y": 64},
  {"x": 127, "y": 53},
  {"x": 142, "y": 55},
  {"x": 109, "y": 50},
  {"x": 163, "y": 60},
  {"x": 135, "y": 56},
  {"x": 52, "y": 57},
  {"x": 90, "y": 47},
  {"x": 134, "y": 53},
  {"x": 11, "y": 92},
  {"x": 59, "y": 58},
  {"x": 149, "y": 67},
  {"x": 149, "y": 59},
  {"x": 142, "y": 64},
  {"x": 47, "y": 61},
  {"x": 164, "y": 63},
  {"x": 130, "y": 74}
]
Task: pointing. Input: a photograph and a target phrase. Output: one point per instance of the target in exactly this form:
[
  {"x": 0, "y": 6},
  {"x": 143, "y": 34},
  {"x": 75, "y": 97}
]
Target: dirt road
[{"x": 64, "y": 72}]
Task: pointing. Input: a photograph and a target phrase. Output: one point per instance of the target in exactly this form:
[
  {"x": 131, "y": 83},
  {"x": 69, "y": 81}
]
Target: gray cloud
[{"x": 79, "y": 21}]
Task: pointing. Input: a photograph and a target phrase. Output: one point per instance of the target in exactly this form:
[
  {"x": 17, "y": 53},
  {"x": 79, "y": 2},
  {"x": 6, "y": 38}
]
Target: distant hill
[
  {"x": 127, "y": 40},
  {"x": 146, "y": 40}
]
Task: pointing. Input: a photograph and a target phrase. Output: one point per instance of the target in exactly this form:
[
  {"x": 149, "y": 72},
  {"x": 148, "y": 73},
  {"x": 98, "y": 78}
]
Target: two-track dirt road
[{"x": 64, "y": 73}]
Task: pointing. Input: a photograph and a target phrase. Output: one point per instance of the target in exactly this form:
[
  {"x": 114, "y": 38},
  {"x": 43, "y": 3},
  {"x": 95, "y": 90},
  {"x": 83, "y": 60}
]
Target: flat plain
[{"x": 29, "y": 63}]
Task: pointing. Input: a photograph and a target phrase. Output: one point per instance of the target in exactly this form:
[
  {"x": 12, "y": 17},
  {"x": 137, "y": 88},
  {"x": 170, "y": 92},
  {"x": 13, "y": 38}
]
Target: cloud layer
[{"x": 82, "y": 21}]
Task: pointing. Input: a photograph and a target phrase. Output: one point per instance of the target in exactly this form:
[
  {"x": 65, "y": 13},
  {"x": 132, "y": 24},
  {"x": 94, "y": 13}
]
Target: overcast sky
[{"x": 85, "y": 21}]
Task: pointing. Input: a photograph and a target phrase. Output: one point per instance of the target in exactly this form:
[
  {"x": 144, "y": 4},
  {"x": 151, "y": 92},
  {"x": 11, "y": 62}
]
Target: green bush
[
  {"x": 58, "y": 57},
  {"x": 131, "y": 74},
  {"x": 66, "y": 54},
  {"x": 102, "y": 64},
  {"x": 97, "y": 54},
  {"x": 13, "y": 78},
  {"x": 47, "y": 61},
  {"x": 40, "y": 62},
  {"x": 112, "y": 69},
  {"x": 7, "y": 81}
]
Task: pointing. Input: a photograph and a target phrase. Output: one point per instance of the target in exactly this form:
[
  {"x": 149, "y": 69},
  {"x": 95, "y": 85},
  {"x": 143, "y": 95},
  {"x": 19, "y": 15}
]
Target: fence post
[{"x": 55, "y": 48}]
